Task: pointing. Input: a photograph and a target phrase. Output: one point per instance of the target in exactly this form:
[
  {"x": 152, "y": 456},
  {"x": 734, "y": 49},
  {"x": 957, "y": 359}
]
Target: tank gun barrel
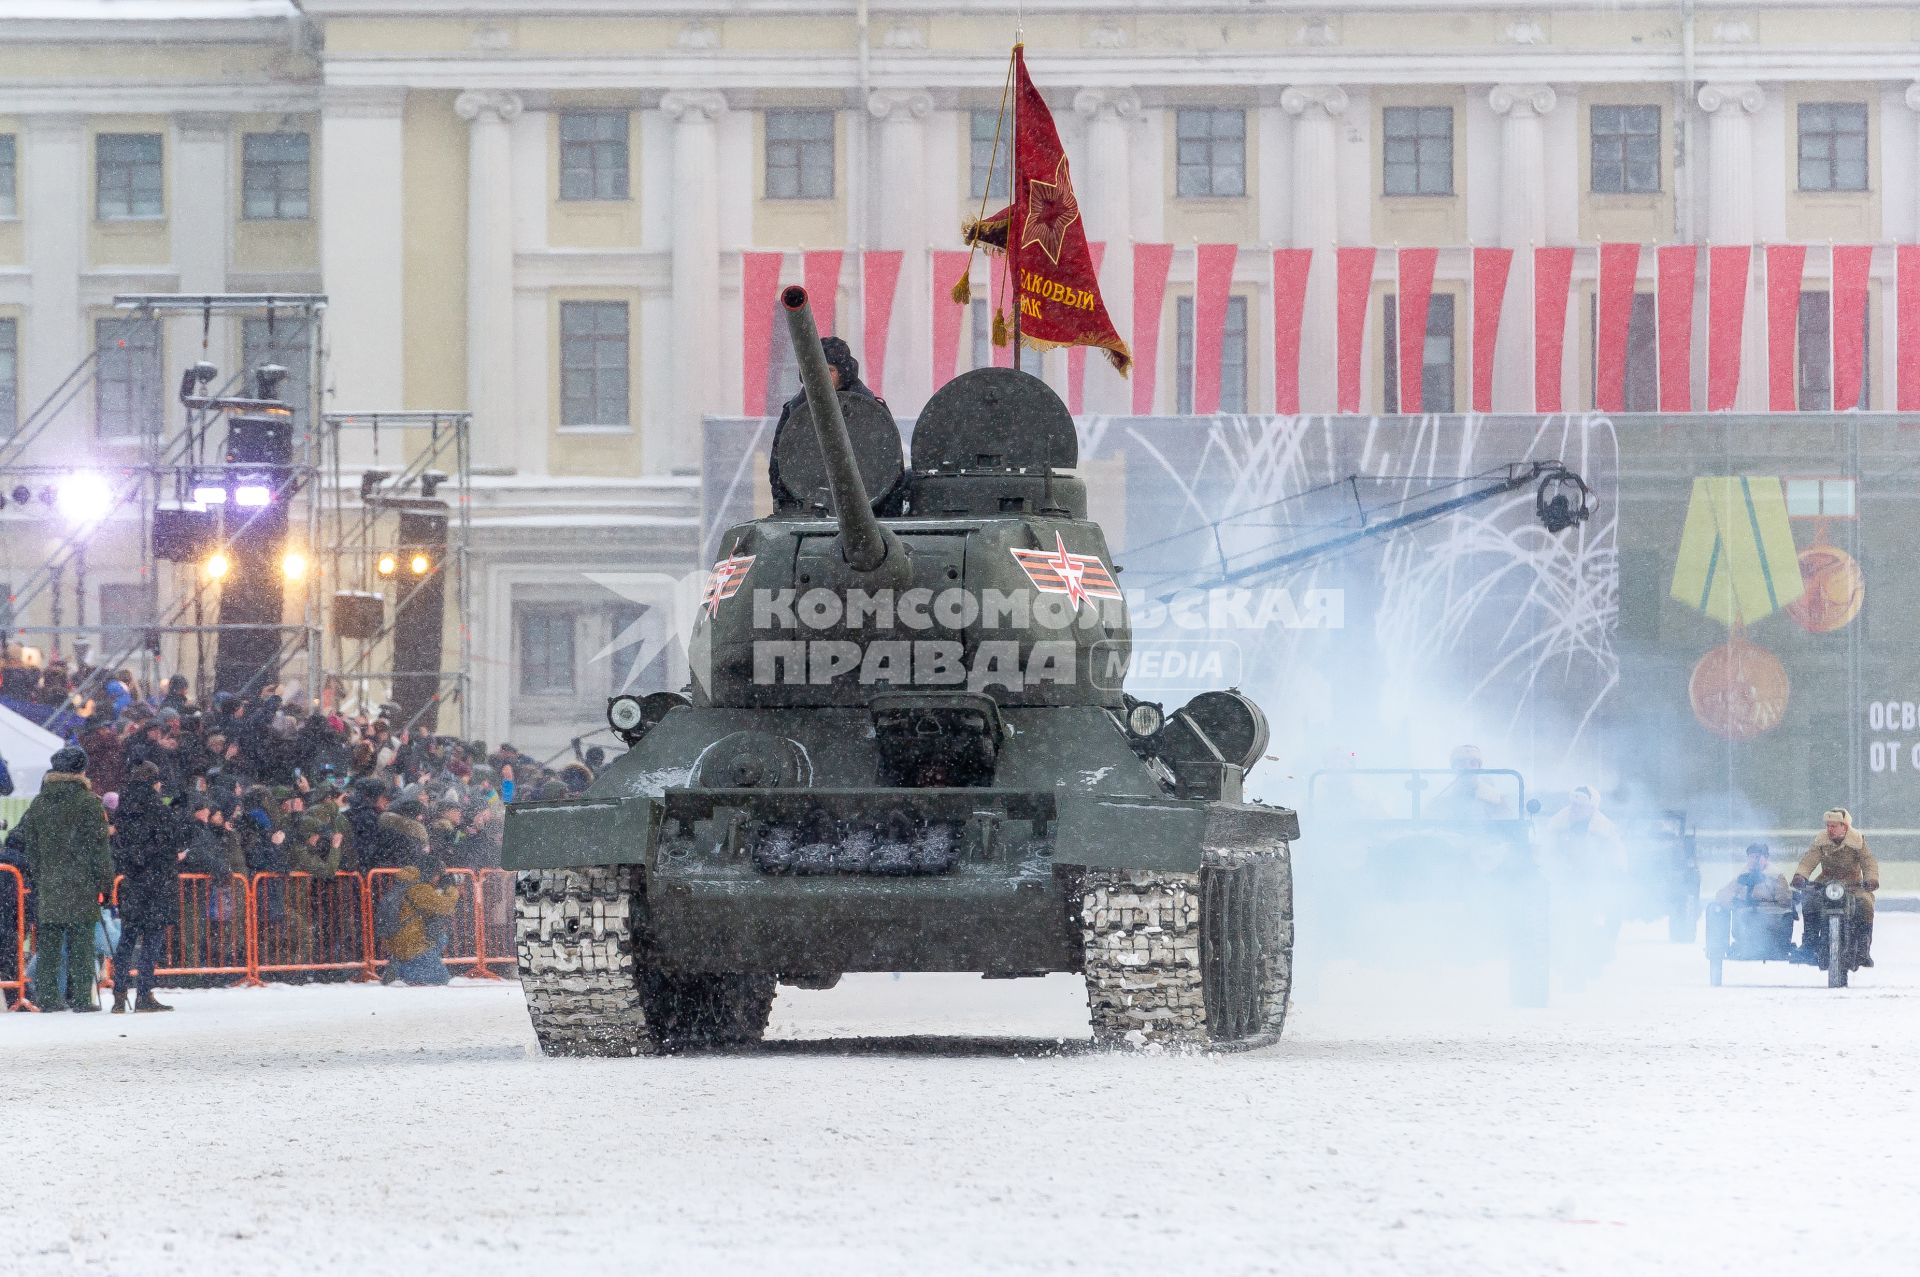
[{"x": 864, "y": 541}]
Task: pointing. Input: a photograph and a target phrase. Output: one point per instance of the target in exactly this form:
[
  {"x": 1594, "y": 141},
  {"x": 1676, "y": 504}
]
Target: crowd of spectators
[{"x": 272, "y": 784}]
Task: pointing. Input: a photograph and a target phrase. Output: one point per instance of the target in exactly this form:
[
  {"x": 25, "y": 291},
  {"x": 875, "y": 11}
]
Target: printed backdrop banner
[
  {"x": 1414, "y": 295},
  {"x": 1785, "y": 265},
  {"x": 1290, "y": 266},
  {"x": 880, "y": 271},
  {"x": 1490, "y": 267}
]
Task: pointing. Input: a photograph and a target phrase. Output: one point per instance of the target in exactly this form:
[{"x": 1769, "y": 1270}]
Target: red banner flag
[
  {"x": 1673, "y": 306},
  {"x": 1852, "y": 266},
  {"x": 947, "y": 264},
  {"x": 820, "y": 275},
  {"x": 1728, "y": 266},
  {"x": 1413, "y": 291},
  {"x": 1619, "y": 270},
  {"x": 1353, "y": 283},
  {"x": 1212, "y": 284},
  {"x": 1290, "y": 267},
  {"x": 880, "y": 271},
  {"x": 1151, "y": 262},
  {"x": 1552, "y": 275},
  {"x": 759, "y": 290},
  {"x": 1057, "y": 288},
  {"x": 1785, "y": 265},
  {"x": 1907, "y": 327},
  {"x": 1490, "y": 267},
  {"x": 1077, "y": 356}
]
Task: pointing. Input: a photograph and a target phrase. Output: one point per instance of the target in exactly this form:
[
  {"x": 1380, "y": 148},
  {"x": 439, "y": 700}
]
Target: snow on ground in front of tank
[{"x": 1650, "y": 1124}]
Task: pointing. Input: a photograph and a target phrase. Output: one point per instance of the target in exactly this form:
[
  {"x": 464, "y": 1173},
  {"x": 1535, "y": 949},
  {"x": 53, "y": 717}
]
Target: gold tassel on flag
[
  {"x": 963, "y": 290},
  {"x": 999, "y": 327}
]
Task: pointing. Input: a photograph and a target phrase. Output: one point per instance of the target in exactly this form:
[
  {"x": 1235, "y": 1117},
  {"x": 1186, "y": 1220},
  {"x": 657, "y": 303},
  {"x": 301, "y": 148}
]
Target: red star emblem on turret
[{"x": 1051, "y": 209}]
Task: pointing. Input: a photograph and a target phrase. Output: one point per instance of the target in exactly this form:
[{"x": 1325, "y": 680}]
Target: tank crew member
[
  {"x": 1841, "y": 855},
  {"x": 846, "y": 377}
]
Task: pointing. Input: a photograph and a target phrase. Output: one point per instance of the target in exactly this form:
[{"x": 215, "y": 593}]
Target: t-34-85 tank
[{"x": 906, "y": 748}]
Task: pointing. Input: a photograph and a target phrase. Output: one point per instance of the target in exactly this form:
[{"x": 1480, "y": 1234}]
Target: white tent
[{"x": 27, "y": 749}]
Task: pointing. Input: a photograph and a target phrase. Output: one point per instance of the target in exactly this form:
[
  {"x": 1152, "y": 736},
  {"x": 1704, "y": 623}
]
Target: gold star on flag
[{"x": 1051, "y": 209}]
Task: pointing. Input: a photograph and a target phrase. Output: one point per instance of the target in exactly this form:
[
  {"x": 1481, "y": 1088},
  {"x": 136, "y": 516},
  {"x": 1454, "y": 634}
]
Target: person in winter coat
[
  {"x": 846, "y": 378},
  {"x": 63, "y": 838},
  {"x": 106, "y": 748},
  {"x": 1842, "y": 856},
  {"x": 12, "y": 930},
  {"x": 316, "y": 860},
  {"x": 418, "y": 945},
  {"x": 366, "y": 803},
  {"x": 149, "y": 848}
]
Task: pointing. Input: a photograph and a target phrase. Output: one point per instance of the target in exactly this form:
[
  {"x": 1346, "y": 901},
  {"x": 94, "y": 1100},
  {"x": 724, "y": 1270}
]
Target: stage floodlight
[
  {"x": 252, "y": 495},
  {"x": 217, "y": 566},
  {"x": 293, "y": 565},
  {"x": 387, "y": 565},
  {"x": 419, "y": 564},
  {"x": 84, "y": 498},
  {"x": 209, "y": 495}
]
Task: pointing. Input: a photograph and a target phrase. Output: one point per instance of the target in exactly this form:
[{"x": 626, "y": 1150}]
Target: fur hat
[
  {"x": 70, "y": 759},
  {"x": 1840, "y": 814}
]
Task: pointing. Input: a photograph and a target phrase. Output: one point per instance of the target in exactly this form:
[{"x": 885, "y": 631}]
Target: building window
[
  {"x": 124, "y": 618},
  {"x": 127, "y": 176},
  {"x": 799, "y": 155},
  {"x": 1815, "y": 356},
  {"x": 9, "y": 169},
  {"x": 546, "y": 651},
  {"x": 593, "y": 363},
  {"x": 989, "y": 163},
  {"x": 274, "y": 176},
  {"x": 1418, "y": 151},
  {"x": 1833, "y": 146},
  {"x": 1820, "y": 498},
  {"x": 126, "y": 377},
  {"x": 1626, "y": 149},
  {"x": 593, "y": 155},
  {"x": 285, "y": 344},
  {"x": 1436, "y": 356},
  {"x": 9, "y": 376},
  {"x": 1211, "y": 157},
  {"x": 1233, "y": 357}
]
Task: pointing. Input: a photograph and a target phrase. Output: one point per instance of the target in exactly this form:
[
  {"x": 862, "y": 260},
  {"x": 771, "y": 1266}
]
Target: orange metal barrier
[
  {"x": 214, "y": 933},
  {"x": 13, "y": 953},
  {"x": 497, "y": 953},
  {"x": 303, "y": 924}
]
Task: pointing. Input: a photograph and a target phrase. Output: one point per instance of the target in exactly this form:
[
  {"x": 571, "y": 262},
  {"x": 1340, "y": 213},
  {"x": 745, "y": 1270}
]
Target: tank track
[
  {"x": 579, "y": 962},
  {"x": 1197, "y": 960}
]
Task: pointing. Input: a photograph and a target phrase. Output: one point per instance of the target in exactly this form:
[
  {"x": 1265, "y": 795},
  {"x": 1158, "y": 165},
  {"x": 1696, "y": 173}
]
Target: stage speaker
[
  {"x": 183, "y": 535},
  {"x": 357, "y": 615}
]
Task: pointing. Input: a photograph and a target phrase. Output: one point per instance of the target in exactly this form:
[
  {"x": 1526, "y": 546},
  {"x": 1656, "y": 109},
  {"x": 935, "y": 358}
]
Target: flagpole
[{"x": 1013, "y": 186}]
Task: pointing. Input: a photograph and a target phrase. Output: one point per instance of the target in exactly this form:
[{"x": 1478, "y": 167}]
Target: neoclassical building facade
[{"x": 541, "y": 213}]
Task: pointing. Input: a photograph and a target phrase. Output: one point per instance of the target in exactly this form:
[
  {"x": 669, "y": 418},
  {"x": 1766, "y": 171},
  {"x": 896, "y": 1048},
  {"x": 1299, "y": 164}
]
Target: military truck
[{"x": 906, "y": 747}]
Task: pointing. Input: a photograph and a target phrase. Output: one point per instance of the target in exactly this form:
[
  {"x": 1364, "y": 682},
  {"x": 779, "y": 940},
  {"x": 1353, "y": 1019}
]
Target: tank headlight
[
  {"x": 624, "y": 714},
  {"x": 1835, "y": 892},
  {"x": 1145, "y": 719}
]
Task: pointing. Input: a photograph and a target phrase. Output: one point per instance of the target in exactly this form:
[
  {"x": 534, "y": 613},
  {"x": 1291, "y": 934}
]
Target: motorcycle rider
[
  {"x": 1470, "y": 796},
  {"x": 1842, "y": 856},
  {"x": 1763, "y": 900},
  {"x": 1755, "y": 886}
]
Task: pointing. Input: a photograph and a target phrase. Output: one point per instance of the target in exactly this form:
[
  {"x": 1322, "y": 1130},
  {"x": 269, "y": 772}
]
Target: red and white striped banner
[
  {"x": 1785, "y": 265},
  {"x": 1290, "y": 266},
  {"x": 820, "y": 276},
  {"x": 1151, "y": 262},
  {"x": 1907, "y": 322},
  {"x": 880, "y": 276},
  {"x": 1353, "y": 284},
  {"x": 759, "y": 294},
  {"x": 1077, "y": 355},
  {"x": 1852, "y": 268},
  {"x": 1728, "y": 266},
  {"x": 1678, "y": 265},
  {"x": 1613, "y": 304},
  {"x": 1212, "y": 285},
  {"x": 1552, "y": 277},
  {"x": 948, "y": 264},
  {"x": 1490, "y": 269},
  {"x": 1413, "y": 294}
]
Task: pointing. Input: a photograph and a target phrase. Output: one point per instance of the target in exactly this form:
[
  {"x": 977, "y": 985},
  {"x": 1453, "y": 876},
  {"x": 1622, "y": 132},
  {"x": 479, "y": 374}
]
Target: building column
[
  {"x": 55, "y": 336},
  {"x": 1730, "y": 108},
  {"x": 1523, "y": 227},
  {"x": 490, "y": 396},
  {"x": 696, "y": 277},
  {"x": 202, "y": 209},
  {"x": 1106, "y": 192},
  {"x": 1317, "y": 110},
  {"x": 902, "y": 224},
  {"x": 361, "y": 260}
]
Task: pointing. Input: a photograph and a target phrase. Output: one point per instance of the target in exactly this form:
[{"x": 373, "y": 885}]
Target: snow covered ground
[{"x": 1650, "y": 1124}]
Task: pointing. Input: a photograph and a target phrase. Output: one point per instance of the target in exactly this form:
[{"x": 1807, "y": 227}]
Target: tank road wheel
[
  {"x": 580, "y": 960},
  {"x": 707, "y": 1010},
  {"x": 1200, "y": 959}
]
